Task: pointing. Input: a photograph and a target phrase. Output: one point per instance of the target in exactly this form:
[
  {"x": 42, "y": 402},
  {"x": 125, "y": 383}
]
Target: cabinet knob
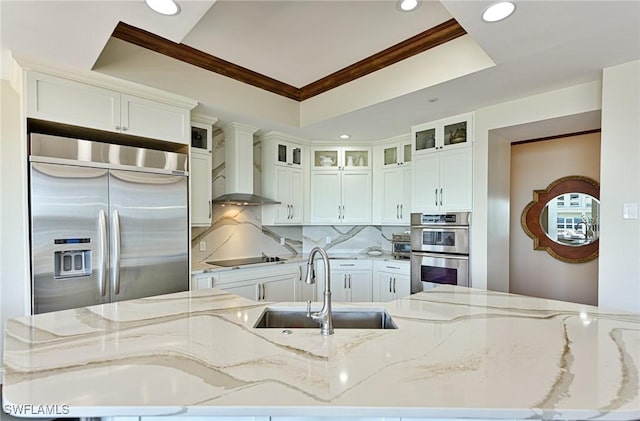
[
  {"x": 124, "y": 129},
  {"x": 117, "y": 127}
]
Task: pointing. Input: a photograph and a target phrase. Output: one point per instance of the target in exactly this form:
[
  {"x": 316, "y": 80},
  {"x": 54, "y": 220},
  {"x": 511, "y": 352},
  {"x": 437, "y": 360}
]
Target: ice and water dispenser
[{"x": 72, "y": 263}]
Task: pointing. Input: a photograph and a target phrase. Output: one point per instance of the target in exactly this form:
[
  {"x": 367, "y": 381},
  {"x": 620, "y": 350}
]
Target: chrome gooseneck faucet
[{"x": 324, "y": 315}]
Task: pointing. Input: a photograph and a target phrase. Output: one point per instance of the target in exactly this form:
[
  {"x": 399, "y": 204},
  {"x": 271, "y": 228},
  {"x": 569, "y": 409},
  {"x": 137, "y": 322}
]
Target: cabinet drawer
[
  {"x": 349, "y": 265},
  {"x": 400, "y": 267},
  {"x": 252, "y": 274}
]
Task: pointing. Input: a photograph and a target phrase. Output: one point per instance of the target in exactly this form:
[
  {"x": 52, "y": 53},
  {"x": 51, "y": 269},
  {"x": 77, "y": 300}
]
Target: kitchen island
[{"x": 457, "y": 353}]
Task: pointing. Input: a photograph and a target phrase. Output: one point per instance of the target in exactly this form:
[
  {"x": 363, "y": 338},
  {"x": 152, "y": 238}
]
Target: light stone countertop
[
  {"x": 458, "y": 352},
  {"x": 203, "y": 267}
]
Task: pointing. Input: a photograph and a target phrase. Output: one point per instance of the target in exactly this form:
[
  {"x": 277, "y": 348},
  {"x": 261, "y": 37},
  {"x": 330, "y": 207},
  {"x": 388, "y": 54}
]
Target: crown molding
[{"x": 417, "y": 44}]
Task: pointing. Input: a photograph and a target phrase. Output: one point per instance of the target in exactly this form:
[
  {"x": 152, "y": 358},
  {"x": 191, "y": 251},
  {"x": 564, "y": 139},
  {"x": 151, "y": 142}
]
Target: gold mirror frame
[{"x": 530, "y": 219}]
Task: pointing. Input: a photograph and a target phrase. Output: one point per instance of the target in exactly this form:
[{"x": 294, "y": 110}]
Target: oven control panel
[{"x": 449, "y": 218}]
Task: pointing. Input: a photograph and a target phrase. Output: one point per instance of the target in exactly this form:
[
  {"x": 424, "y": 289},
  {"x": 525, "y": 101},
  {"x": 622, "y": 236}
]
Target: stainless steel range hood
[{"x": 238, "y": 168}]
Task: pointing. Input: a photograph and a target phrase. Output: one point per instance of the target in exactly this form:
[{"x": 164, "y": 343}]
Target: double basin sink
[{"x": 342, "y": 319}]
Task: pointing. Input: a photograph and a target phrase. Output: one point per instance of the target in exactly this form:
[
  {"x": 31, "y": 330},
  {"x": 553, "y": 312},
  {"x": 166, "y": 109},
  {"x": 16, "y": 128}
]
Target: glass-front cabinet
[
  {"x": 200, "y": 169},
  {"x": 341, "y": 158},
  {"x": 396, "y": 154},
  {"x": 288, "y": 154},
  {"x": 341, "y": 185},
  {"x": 442, "y": 134},
  {"x": 284, "y": 178}
]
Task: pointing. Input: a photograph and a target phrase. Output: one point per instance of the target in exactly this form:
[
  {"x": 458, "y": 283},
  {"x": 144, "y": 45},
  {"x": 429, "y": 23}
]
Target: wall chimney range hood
[{"x": 238, "y": 168}]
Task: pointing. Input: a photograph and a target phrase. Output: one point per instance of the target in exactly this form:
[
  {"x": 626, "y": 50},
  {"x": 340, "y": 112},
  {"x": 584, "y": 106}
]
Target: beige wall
[
  {"x": 534, "y": 166},
  {"x": 489, "y": 237}
]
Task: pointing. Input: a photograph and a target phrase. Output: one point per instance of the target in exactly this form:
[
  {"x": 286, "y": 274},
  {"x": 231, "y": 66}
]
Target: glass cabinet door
[
  {"x": 455, "y": 133},
  {"x": 325, "y": 158},
  {"x": 356, "y": 158},
  {"x": 296, "y": 155},
  {"x": 282, "y": 153},
  {"x": 391, "y": 155},
  {"x": 199, "y": 138},
  {"x": 406, "y": 153},
  {"x": 426, "y": 139},
  {"x": 289, "y": 154}
]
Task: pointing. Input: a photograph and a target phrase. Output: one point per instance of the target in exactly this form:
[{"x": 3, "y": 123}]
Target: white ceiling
[
  {"x": 299, "y": 42},
  {"x": 545, "y": 45}
]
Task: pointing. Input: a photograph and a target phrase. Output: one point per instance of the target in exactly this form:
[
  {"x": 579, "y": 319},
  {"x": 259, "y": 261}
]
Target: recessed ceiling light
[
  {"x": 407, "y": 5},
  {"x": 498, "y": 11},
  {"x": 345, "y": 136},
  {"x": 164, "y": 7}
]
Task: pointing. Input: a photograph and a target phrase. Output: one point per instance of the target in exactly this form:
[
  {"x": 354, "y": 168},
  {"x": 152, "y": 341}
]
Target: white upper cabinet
[
  {"x": 288, "y": 154},
  {"x": 395, "y": 193},
  {"x": 392, "y": 181},
  {"x": 340, "y": 158},
  {"x": 442, "y": 165},
  {"x": 449, "y": 133},
  {"x": 443, "y": 181},
  {"x": 397, "y": 154},
  {"x": 155, "y": 120},
  {"x": 341, "y": 185},
  {"x": 80, "y": 104},
  {"x": 283, "y": 179},
  {"x": 200, "y": 170}
]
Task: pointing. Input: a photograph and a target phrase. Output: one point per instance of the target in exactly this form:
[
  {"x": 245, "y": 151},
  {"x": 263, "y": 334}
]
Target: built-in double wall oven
[{"x": 439, "y": 249}]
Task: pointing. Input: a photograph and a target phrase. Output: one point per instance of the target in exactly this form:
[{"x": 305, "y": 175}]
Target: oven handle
[{"x": 440, "y": 255}]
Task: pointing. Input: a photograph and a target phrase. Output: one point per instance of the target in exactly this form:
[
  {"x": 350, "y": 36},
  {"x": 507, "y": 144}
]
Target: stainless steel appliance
[
  {"x": 401, "y": 246},
  {"x": 108, "y": 222},
  {"x": 439, "y": 249}
]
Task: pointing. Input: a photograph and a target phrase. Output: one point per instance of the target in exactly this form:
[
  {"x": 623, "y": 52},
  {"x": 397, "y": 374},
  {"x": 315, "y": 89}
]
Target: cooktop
[{"x": 246, "y": 261}]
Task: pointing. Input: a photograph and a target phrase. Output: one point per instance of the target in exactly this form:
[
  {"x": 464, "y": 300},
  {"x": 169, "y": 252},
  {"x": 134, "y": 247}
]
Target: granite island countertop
[{"x": 457, "y": 352}]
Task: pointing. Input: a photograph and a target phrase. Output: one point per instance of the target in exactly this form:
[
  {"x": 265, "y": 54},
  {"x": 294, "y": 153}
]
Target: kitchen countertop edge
[{"x": 203, "y": 267}]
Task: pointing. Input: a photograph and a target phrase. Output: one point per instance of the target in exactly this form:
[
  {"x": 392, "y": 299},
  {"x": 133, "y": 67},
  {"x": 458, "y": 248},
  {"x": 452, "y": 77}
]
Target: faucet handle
[{"x": 309, "y": 308}]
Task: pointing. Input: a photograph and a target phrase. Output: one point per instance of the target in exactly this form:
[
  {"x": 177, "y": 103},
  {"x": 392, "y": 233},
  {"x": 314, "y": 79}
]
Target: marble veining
[
  {"x": 457, "y": 352},
  {"x": 358, "y": 239}
]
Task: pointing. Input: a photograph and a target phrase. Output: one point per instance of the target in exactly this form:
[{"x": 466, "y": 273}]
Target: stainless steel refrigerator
[{"x": 108, "y": 222}]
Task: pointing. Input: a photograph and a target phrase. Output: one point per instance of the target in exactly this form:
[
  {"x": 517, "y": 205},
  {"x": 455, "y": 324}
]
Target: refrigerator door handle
[
  {"x": 115, "y": 273},
  {"x": 102, "y": 279}
]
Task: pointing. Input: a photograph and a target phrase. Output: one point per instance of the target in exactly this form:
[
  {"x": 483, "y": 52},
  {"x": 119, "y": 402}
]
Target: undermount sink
[{"x": 342, "y": 319}]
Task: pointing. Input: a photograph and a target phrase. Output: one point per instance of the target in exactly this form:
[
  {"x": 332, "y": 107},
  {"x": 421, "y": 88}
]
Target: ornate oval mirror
[{"x": 564, "y": 218}]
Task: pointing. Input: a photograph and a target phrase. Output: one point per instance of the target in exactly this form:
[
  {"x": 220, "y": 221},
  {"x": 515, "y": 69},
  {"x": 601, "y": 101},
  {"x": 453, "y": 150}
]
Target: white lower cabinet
[
  {"x": 350, "y": 280},
  {"x": 281, "y": 282},
  {"x": 202, "y": 281},
  {"x": 352, "y": 286},
  {"x": 391, "y": 280},
  {"x": 261, "y": 284}
]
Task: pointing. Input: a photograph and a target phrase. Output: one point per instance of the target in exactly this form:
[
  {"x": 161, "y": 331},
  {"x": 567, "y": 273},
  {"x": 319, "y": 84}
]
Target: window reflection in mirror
[{"x": 571, "y": 219}]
